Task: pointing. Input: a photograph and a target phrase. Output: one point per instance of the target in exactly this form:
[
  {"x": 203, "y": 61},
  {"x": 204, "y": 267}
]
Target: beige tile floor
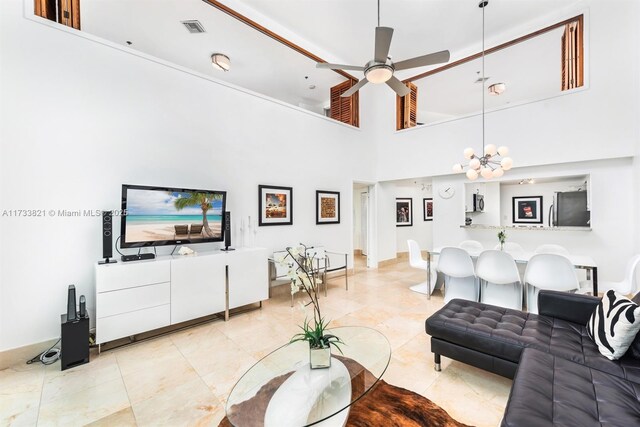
[{"x": 183, "y": 378}]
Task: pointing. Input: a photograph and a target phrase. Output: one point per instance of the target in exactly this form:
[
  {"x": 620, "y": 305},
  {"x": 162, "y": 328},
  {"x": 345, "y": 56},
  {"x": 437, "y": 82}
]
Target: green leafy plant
[
  {"x": 502, "y": 236},
  {"x": 300, "y": 262}
]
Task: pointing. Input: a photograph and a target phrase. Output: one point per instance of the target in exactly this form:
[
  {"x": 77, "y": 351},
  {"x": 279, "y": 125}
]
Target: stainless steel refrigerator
[{"x": 569, "y": 209}]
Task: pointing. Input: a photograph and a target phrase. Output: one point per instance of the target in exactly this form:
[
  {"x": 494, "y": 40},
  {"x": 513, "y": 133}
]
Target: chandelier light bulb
[
  {"x": 468, "y": 153},
  {"x": 457, "y": 168},
  {"x": 490, "y": 150},
  {"x": 506, "y": 163},
  {"x": 486, "y": 173},
  {"x": 474, "y": 163},
  {"x": 472, "y": 174},
  {"x": 497, "y": 172},
  {"x": 503, "y": 151}
]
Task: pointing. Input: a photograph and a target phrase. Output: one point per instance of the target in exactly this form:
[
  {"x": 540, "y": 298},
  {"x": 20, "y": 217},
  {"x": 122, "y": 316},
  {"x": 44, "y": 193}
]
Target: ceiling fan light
[
  {"x": 220, "y": 61},
  {"x": 378, "y": 74}
]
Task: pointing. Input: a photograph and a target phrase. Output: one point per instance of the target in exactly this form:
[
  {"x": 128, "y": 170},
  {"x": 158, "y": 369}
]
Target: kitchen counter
[{"x": 523, "y": 227}]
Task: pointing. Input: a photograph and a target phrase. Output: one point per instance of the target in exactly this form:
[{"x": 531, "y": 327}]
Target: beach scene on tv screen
[{"x": 154, "y": 215}]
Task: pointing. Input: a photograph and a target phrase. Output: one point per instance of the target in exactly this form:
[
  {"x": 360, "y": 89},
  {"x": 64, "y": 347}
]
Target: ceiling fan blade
[
  {"x": 421, "y": 61},
  {"x": 339, "y": 66},
  {"x": 353, "y": 89},
  {"x": 400, "y": 88},
  {"x": 383, "y": 43}
]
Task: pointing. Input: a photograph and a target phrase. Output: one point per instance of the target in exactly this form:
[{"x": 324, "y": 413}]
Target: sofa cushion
[
  {"x": 504, "y": 333},
  {"x": 614, "y": 324},
  {"x": 550, "y": 390}
]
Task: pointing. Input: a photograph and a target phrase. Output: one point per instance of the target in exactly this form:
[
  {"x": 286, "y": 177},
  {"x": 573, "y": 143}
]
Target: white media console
[{"x": 140, "y": 296}]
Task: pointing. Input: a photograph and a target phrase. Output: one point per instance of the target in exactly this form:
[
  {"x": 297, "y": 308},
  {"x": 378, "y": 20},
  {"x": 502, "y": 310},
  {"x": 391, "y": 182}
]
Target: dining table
[{"x": 583, "y": 262}]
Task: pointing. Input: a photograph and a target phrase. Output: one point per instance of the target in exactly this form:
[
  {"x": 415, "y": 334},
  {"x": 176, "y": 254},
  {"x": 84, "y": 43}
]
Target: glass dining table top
[{"x": 282, "y": 390}]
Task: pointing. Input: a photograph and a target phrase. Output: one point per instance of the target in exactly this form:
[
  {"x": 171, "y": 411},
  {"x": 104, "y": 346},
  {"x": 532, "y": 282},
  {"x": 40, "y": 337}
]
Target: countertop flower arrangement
[{"x": 502, "y": 237}]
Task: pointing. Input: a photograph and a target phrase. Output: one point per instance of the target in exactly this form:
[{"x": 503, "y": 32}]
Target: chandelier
[{"x": 492, "y": 161}]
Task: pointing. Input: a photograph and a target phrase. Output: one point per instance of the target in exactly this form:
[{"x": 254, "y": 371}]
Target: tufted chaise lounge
[{"x": 560, "y": 376}]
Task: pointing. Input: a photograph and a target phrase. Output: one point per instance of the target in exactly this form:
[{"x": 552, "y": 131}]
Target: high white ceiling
[{"x": 342, "y": 29}]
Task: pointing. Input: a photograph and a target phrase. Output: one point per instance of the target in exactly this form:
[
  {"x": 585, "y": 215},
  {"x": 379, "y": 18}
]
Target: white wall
[
  {"x": 80, "y": 118},
  {"x": 421, "y": 231}
]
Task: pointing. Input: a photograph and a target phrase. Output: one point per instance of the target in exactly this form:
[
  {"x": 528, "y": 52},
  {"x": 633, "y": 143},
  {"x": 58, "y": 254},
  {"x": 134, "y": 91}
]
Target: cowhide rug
[{"x": 384, "y": 405}]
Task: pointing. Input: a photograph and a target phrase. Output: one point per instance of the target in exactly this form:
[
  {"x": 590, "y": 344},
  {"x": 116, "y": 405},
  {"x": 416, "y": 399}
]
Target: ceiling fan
[{"x": 380, "y": 69}]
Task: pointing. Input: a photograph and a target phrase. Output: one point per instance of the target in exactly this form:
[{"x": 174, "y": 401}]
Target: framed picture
[
  {"x": 275, "y": 205},
  {"x": 427, "y": 206},
  {"x": 327, "y": 207},
  {"x": 404, "y": 212},
  {"x": 527, "y": 210}
]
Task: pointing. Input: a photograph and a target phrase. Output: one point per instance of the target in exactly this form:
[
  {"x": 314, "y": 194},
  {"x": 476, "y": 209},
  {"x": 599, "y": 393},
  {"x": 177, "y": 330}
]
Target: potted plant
[
  {"x": 300, "y": 262},
  {"x": 502, "y": 237}
]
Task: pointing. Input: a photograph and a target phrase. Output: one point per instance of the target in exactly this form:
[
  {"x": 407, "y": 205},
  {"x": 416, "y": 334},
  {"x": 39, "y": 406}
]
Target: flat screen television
[{"x": 158, "y": 216}]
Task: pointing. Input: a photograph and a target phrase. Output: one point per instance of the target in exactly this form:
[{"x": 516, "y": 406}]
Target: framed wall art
[
  {"x": 275, "y": 205},
  {"x": 404, "y": 212},
  {"x": 527, "y": 210},
  {"x": 327, "y": 207},
  {"x": 427, "y": 207}
]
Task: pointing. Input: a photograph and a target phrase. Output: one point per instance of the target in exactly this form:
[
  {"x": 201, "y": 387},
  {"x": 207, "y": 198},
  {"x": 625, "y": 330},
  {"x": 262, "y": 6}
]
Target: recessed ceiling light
[
  {"x": 497, "y": 88},
  {"x": 312, "y": 86},
  {"x": 220, "y": 61}
]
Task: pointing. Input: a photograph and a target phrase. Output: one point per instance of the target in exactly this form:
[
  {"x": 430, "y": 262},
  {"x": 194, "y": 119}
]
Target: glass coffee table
[{"x": 282, "y": 390}]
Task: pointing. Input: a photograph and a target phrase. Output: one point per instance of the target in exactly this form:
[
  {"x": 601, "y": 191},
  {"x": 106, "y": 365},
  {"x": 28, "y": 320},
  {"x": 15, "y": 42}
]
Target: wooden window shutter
[
  {"x": 572, "y": 55},
  {"x": 345, "y": 110},
  {"x": 407, "y": 108},
  {"x": 45, "y": 9},
  {"x": 69, "y": 13}
]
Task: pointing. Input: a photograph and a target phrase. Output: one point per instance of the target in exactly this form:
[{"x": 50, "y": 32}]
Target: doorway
[{"x": 362, "y": 255}]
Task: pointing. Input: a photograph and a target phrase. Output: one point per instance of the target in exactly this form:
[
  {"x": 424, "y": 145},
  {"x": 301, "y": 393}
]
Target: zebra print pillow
[{"x": 614, "y": 325}]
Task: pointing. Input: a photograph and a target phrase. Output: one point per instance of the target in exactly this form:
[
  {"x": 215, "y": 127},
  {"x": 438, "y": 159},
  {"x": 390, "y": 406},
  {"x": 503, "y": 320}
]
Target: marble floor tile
[
  {"x": 20, "y": 392},
  {"x": 85, "y": 406},
  {"x": 123, "y": 418},
  {"x": 189, "y": 404}
]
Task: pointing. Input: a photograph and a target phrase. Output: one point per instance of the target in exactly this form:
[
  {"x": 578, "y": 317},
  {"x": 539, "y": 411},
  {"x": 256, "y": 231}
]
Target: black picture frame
[
  {"x": 527, "y": 210},
  {"x": 427, "y": 208},
  {"x": 404, "y": 212},
  {"x": 265, "y": 217},
  {"x": 326, "y": 202}
]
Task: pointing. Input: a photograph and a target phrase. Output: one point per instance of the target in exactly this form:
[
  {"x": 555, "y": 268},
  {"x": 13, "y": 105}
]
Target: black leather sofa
[{"x": 560, "y": 377}]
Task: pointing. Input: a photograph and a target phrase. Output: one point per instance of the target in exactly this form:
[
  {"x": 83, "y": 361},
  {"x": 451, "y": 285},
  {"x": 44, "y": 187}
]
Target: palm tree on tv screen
[{"x": 205, "y": 201}]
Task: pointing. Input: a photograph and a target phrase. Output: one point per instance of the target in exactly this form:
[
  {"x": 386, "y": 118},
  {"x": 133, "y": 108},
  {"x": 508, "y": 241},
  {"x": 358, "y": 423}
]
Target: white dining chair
[
  {"x": 512, "y": 248},
  {"x": 499, "y": 280},
  {"x": 416, "y": 261},
  {"x": 473, "y": 247},
  {"x": 548, "y": 271},
  {"x": 552, "y": 249},
  {"x": 459, "y": 276},
  {"x": 628, "y": 285}
]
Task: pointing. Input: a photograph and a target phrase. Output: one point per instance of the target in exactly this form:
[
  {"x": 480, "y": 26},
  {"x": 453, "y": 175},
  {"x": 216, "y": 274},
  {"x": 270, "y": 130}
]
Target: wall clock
[{"x": 446, "y": 191}]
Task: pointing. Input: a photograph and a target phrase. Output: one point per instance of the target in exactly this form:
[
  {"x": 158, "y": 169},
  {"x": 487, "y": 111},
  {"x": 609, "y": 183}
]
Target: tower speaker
[
  {"x": 107, "y": 238},
  {"x": 227, "y": 231},
  {"x": 71, "y": 303}
]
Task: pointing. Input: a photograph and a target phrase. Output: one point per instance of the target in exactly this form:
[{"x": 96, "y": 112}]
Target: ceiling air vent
[{"x": 193, "y": 26}]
